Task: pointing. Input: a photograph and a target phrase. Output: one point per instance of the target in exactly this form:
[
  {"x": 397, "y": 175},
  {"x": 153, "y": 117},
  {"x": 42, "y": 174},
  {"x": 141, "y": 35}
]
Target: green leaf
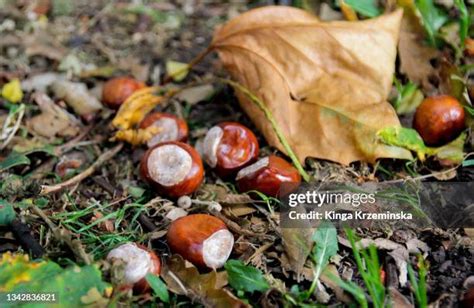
[
  {"x": 246, "y": 278},
  {"x": 464, "y": 20},
  {"x": 409, "y": 138},
  {"x": 367, "y": 8},
  {"x": 325, "y": 239},
  {"x": 453, "y": 151},
  {"x": 468, "y": 163},
  {"x": 17, "y": 159},
  {"x": 432, "y": 19},
  {"x": 14, "y": 159},
  {"x": 76, "y": 286},
  {"x": 7, "y": 213},
  {"x": 352, "y": 288},
  {"x": 404, "y": 137},
  {"x": 159, "y": 287},
  {"x": 469, "y": 109},
  {"x": 136, "y": 192},
  {"x": 408, "y": 99}
]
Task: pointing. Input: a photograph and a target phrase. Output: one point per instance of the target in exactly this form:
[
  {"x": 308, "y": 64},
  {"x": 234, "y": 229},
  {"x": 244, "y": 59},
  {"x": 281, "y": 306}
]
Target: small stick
[
  {"x": 64, "y": 236},
  {"x": 47, "y": 189},
  {"x": 235, "y": 226}
]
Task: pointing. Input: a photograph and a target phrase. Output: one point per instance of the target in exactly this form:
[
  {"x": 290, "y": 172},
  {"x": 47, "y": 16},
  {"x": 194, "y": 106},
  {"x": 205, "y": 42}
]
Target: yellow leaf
[
  {"x": 177, "y": 70},
  {"x": 136, "y": 107},
  {"x": 12, "y": 91},
  {"x": 137, "y": 136},
  {"x": 348, "y": 12},
  {"x": 325, "y": 83}
]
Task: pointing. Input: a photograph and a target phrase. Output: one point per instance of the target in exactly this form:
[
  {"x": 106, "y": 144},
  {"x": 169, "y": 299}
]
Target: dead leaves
[
  {"x": 326, "y": 84},
  {"x": 135, "y": 107},
  {"x": 77, "y": 96},
  {"x": 204, "y": 288},
  {"x": 415, "y": 55},
  {"x": 130, "y": 114},
  {"x": 53, "y": 120},
  {"x": 297, "y": 243}
]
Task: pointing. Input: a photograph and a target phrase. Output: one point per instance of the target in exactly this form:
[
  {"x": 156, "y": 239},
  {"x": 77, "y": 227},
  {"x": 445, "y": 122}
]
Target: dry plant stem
[
  {"x": 272, "y": 121},
  {"x": 235, "y": 226},
  {"x": 15, "y": 128},
  {"x": 258, "y": 252},
  {"x": 47, "y": 189},
  {"x": 422, "y": 177},
  {"x": 64, "y": 236}
]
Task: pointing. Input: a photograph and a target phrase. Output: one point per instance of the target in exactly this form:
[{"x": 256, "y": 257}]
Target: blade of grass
[{"x": 272, "y": 121}]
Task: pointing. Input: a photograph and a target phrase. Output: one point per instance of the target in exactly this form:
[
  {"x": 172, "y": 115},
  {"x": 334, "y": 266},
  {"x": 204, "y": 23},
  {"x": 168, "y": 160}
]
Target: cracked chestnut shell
[
  {"x": 439, "y": 119},
  {"x": 139, "y": 261},
  {"x": 228, "y": 147},
  {"x": 117, "y": 90},
  {"x": 202, "y": 239},
  {"x": 171, "y": 127},
  {"x": 271, "y": 175},
  {"x": 173, "y": 169}
]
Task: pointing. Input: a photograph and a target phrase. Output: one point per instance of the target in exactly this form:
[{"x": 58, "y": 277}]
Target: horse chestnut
[
  {"x": 171, "y": 127},
  {"x": 439, "y": 119},
  {"x": 139, "y": 261},
  {"x": 117, "y": 90},
  {"x": 202, "y": 239},
  {"x": 173, "y": 168},
  {"x": 271, "y": 175},
  {"x": 228, "y": 147}
]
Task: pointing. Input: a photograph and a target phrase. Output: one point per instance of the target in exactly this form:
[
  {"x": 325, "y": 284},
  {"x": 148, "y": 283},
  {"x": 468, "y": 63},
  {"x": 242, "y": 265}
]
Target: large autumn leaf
[
  {"x": 73, "y": 286},
  {"x": 326, "y": 84}
]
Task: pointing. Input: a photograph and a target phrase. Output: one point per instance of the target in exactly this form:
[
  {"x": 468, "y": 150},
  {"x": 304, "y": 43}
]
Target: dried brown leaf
[
  {"x": 53, "y": 120},
  {"x": 297, "y": 243},
  {"x": 398, "y": 299},
  {"x": 326, "y": 275},
  {"x": 77, "y": 96},
  {"x": 415, "y": 55},
  {"x": 204, "y": 288},
  {"x": 326, "y": 84}
]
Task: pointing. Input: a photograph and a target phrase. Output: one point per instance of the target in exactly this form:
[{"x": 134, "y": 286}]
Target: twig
[
  {"x": 236, "y": 228},
  {"x": 64, "y": 236},
  {"x": 421, "y": 177},
  {"x": 189, "y": 66},
  {"x": 9, "y": 135},
  {"x": 47, "y": 189}
]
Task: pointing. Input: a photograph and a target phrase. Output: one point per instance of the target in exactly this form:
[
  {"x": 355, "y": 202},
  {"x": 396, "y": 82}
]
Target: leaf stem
[
  {"x": 272, "y": 121},
  {"x": 190, "y": 65}
]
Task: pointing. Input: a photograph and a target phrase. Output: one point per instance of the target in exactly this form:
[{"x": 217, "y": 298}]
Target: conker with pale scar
[
  {"x": 228, "y": 147},
  {"x": 439, "y": 119},
  {"x": 173, "y": 169},
  {"x": 202, "y": 239},
  {"x": 139, "y": 261},
  {"x": 171, "y": 128},
  {"x": 117, "y": 90},
  {"x": 271, "y": 175}
]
